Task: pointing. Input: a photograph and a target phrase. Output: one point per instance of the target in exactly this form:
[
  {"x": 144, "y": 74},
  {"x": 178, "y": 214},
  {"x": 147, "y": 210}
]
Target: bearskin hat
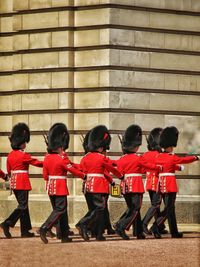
[
  {"x": 20, "y": 134},
  {"x": 58, "y": 136},
  {"x": 154, "y": 139},
  {"x": 85, "y": 142},
  {"x": 169, "y": 137},
  {"x": 99, "y": 136},
  {"x": 131, "y": 138}
]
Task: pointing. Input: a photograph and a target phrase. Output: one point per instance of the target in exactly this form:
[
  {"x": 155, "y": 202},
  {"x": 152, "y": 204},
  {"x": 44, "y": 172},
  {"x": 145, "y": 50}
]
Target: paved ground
[{"x": 112, "y": 253}]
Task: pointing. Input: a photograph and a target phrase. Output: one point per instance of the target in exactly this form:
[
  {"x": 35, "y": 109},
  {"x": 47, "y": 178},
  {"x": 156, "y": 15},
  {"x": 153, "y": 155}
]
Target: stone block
[
  {"x": 121, "y": 78},
  {"x": 57, "y": 3},
  {"x": 38, "y": 186},
  {"x": 91, "y": 17},
  {"x": 19, "y": 118},
  {"x": 120, "y": 121},
  {"x": 148, "y": 122},
  {"x": 17, "y": 23},
  {"x": 16, "y": 102},
  {"x": 147, "y": 3},
  {"x": 122, "y": 37},
  {"x": 104, "y": 78},
  {"x": 6, "y": 44},
  {"x": 86, "y": 79},
  {"x": 104, "y": 36},
  {"x": 62, "y": 79},
  {"x": 36, "y": 144},
  {"x": 65, "y": 59},
  {"x": 5, "y": 143},
  {"x": 149, "y": 39},
  {"x": 17, "y": 62},
  {"x": 148, "y": 80},
  {"x": 39, "y": 123},
  {"x": 62, "y": 39},
  {"x": 6, "y": 83},
  {"x": 134, "y": 59},
  {"x": 6, "y": 6},
  {"x": 5, "y": 103},
  {"x": 195, "y": 43},
  {"x": 66, "y": 100},
  {"x": 65, "y": 18},
  {"x": 20, "y": 42},
  {"x": 86, "y": 38},
  {"x": 89, "y": 100},
  {"x": 173, "y": 21},
  {"x": 20, "y": 5},
  {"x": 129, "y": 17},
  {"x": 171, "y": 81},
  {"x": 5, "y": 123},
  {"x": 35, "y": 4},
  {"x": 6, "y": 24},
  {"x": 92, "y": 58},
  {"x": 170, "y": 61},
  {"x": 6, "y": 63},
  {"x": 39, "y": 101},
  {"x": 178, "y": 4},
  {"x": 66, "y": 118},
  {"x": 40, "y": 80},
  {"x": 85, "y": 121},
  {"x": 40, "y": 60},
  {"x": 178, "y": 42},
  {"x": 40, "y": 40},
  {"x": 195, "y": 5},
  {"x": 36, "y": 21},
  {"x": 166, "y": 102}
]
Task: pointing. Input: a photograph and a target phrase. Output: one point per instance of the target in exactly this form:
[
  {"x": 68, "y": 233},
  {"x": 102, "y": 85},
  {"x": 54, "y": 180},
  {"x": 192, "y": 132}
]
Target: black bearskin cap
[
  {"x": 85, "y": 142},
  {"x": 154, "y": 139},
  {"x": 99, "y": 137},
  {"x": 58, "y": 136},
  {"x": 132, "y": 138},
  {"x": 169, "y": 137},
  {"x": 20, "y": 134}
]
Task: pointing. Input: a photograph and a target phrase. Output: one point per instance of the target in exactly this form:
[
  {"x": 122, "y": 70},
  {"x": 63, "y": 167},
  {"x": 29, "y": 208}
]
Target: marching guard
[
  {"x": 167, "y": 180},
  {"x": 131, "y": 166},
  {"x": 55, "y": 170},
  {"x": 18, "y": 162},
  {"x": 94, "y": 164}
]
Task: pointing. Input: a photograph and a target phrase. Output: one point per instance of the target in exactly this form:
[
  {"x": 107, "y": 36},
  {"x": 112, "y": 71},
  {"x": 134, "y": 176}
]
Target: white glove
[{"x": 182, "y": 168}]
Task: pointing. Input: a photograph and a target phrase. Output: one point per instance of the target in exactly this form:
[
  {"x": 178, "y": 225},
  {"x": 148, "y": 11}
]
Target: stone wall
[{"x": 89, "y": 62}]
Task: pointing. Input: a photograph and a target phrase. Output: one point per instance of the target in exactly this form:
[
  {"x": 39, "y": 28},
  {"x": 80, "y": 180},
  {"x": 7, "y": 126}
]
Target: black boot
[
  {"x": 177, "y": 235},
  {"x": 100, "y": 238},
  {"x": 141, "y": 236},
  {"x": 43, "y": 233},
  {"x": 27, "y": 234},
  {"x": 122, "y": 233},
  {"x": 5, "y": 229},
  {"x": 154, "y": 230},
  {"x": 83, "y": 232},
  {"x": 145, "y": 230},
  {"x": 66, "y": 239},
  {"x": 110, "y": 231}
]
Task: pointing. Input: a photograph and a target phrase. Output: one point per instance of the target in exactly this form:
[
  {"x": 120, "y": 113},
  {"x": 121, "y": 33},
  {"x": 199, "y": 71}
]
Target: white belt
[
  {"x": 19, "y": 171},
  {"x": 57, "y": 177},
  {"x": 166, "y": 174},
  {"x": 132, "y": 175},
  {"x": 95, "y": 175}
]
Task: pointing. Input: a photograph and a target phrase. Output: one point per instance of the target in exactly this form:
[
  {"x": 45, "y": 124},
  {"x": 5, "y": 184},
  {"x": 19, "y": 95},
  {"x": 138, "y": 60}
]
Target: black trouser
[
  {"x": 21, "y": 212},
  {"x": 154, "y": 210},
  {"x": 168, "y": 212},
  {"x": 94, "y": 218},
  {"x": 58, "y": 215},
  {"x": 134, "y": 203},
  {"x": 107, "y": 223}
]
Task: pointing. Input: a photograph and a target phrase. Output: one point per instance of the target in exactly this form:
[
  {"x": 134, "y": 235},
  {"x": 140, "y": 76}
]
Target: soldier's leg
[{"x": 107, "y": 226}]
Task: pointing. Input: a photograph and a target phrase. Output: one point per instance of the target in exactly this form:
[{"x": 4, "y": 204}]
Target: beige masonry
[{"x": 98, "y": 65}]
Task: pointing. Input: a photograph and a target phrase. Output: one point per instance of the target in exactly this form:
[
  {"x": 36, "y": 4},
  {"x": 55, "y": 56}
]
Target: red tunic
[
  {"x": 97, "y": 167},
  {"x": 2, "y": 174},
  {"x": 131, "y": 166},
  {"x": 151, "y": 175},
  {"x": 55, "y": 170},
  {"x": 18, "y": 163},
  {"x": 167, "y": 178}
]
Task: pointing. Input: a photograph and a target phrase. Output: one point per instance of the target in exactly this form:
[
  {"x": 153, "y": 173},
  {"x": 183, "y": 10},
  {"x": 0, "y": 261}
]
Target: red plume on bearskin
[
  {"x": 169, "y": 137},
  {"x": 153, "y": 139},
  {"x": 132, "y": 138},
  {"x": 99, "y": 137},
  {"x": 58, "y": 136},
  {"x": 20, "y": 134}
]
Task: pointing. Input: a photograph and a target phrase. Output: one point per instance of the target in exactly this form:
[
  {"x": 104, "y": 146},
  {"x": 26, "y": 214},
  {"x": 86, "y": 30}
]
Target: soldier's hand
[
  {"x": 122, "y": 177},
  {"x": 6, "y": 178},
  {"x": 198, "y": 157}
]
